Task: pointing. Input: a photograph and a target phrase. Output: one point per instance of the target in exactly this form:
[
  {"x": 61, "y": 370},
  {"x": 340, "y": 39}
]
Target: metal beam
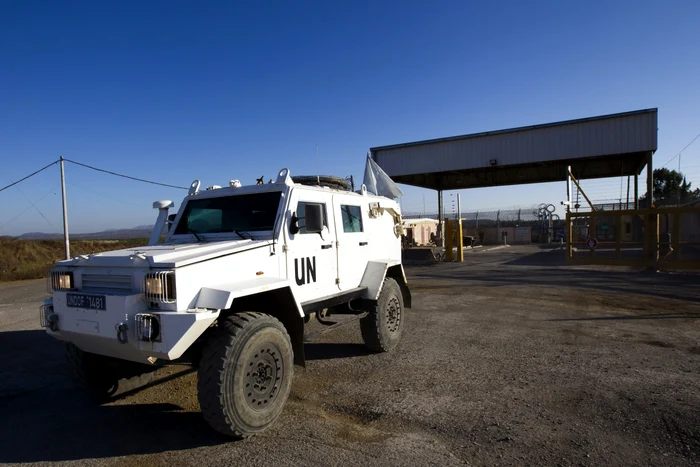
[{"x": 573, "y": 179}]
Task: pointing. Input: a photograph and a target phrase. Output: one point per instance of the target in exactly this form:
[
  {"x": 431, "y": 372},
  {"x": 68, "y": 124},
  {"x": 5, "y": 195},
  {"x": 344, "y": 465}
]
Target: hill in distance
[{"x": 141, "y": 231}]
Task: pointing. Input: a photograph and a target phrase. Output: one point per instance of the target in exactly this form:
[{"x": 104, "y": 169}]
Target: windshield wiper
[
  {"x": 199, "y": 239},
  {"x": 238, "y": 232}
]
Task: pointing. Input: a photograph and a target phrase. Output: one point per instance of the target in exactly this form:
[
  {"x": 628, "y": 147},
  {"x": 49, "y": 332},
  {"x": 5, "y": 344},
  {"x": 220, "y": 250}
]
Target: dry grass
[{"x": 29, "y": 259}]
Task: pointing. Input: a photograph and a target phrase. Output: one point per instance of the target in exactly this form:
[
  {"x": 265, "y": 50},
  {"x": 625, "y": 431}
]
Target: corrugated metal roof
[{"x": 604, "y": 146}]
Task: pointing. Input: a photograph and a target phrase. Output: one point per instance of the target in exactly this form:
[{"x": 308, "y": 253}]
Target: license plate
[{"x": 91, "y": 302}]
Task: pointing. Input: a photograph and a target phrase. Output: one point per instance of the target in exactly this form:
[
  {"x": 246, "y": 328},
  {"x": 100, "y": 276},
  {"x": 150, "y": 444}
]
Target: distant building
[{"x": 419, "y": 232}]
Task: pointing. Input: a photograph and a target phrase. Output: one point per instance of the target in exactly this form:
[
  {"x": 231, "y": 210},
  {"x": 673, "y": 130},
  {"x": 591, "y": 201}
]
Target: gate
[{"x": 661, "y": 238}]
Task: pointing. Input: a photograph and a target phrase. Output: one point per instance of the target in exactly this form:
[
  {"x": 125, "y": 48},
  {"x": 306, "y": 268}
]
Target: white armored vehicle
[{"x": 240, "y": 271}]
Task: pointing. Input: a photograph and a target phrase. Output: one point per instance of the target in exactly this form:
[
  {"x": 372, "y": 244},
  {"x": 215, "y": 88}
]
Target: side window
[
  {"x": 301, "y": 214},
  {"x": 352, "y": 218}
]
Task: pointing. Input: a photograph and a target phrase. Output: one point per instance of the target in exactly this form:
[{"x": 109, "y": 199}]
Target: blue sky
[{"x": 173, "y": 91}]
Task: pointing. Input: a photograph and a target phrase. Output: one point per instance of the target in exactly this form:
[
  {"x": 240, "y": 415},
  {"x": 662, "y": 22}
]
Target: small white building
[{"x": 418, "y": 232}]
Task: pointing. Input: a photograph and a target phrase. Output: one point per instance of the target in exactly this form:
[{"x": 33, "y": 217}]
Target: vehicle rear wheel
[
  {"x": 382, "y": 327},
  {"x": 106, "y": 378},
  {"x": 245, "y": 374}
]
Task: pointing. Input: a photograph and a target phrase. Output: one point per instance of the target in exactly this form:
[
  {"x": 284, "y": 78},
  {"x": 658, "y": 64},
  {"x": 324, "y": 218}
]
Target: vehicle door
[
  {"x": 311, "y": 258},
  {"x": 353, "y": 240}
]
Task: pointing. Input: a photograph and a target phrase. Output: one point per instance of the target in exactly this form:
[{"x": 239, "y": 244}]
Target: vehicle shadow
[
  {"x": 332, "y": 350},
  {"x": 545, "y": 257},
  {"x": 46, "y": 419}
]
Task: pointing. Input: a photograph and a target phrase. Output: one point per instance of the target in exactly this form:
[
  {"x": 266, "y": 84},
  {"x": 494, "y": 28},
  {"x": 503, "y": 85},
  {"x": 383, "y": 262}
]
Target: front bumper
[{"x": 113, "y": 332}]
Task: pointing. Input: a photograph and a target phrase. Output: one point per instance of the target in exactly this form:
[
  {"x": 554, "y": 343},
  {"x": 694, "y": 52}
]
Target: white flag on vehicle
[{"x": 378, "y": 182}]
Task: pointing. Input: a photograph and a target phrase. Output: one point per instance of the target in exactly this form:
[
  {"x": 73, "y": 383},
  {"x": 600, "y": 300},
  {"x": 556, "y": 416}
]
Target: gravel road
[{"x": 510, "y": 358}]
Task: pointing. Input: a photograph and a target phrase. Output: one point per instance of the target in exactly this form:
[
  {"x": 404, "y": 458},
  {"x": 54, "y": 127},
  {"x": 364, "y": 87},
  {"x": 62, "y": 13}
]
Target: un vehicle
[{"x": 240, "y": 271}]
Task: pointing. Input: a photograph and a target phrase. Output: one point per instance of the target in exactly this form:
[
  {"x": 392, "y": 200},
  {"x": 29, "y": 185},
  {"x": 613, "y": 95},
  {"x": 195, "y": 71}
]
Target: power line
[
  {"x": 30, "y": 175},
  {"x": 681, "y": 151},
  {"x": 18, "y": 215},
  {"x": 102, "y": 194},
  {"x": 34, "y": 206},
  {"x": 125, "y": 176}
]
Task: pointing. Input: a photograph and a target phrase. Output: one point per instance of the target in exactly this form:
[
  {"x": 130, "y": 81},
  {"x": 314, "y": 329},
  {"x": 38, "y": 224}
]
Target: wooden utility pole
[{"x": 65, "y": 210}]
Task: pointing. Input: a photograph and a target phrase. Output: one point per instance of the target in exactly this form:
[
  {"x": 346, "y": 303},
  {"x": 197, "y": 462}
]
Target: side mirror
[
  {"x": 171, "y": 219},
  {"x": 294, "y": 226},
  {"x": 314, "y": 218}
]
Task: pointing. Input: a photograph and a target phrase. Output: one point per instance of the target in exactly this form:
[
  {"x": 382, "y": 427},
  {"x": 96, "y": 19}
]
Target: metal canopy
[{"x": 597, "y": 147}]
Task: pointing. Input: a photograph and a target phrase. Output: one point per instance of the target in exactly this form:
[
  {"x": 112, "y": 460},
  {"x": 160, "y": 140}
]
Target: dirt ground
[{"x": 511, "y": 358}]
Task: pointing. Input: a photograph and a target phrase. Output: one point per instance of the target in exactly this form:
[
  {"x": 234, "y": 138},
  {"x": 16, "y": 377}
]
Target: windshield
[{"x": 254, "y": 212}]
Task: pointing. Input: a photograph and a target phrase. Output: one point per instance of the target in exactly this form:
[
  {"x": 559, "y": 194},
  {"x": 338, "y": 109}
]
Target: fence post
[
  {"x": 675, "y": 236},
  {"x": 618, "y": 233},
  {"x": 460, "y": 241},
  {"x": 591, "y": 228},
  {"x": 570, "y": 237},
  {"x": 449, "y": 255}
]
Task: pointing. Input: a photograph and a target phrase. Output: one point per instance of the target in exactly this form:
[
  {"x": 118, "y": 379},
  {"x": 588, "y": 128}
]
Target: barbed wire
[{"x": 513, "y": 214}]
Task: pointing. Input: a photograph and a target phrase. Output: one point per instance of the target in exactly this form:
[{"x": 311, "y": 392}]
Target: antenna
[{"x": 318, "y": 173}]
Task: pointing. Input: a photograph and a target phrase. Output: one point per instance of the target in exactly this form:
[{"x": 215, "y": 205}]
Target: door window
[{"x": 352, "y": 218}]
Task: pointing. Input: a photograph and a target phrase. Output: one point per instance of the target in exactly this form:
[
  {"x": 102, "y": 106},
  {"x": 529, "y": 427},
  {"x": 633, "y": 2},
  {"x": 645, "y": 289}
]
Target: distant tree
[{"x": 671, "y": 187}]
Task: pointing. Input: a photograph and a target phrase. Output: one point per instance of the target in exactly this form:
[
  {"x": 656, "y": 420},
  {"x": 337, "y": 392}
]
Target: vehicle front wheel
[
  {"x": 382, "y": 327},
  {"x": 245, "y": 374}
]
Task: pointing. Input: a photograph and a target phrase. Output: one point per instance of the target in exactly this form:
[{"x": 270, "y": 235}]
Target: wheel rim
[
  {"x": 393, "y": 315},
  {"x": 264, "y": 373}
]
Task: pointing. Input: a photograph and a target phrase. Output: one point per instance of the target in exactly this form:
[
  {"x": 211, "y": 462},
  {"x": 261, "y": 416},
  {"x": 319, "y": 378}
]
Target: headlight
[
  {"x": 147, "y": 327},
  {"x": 160, "y": 287},
  {"x": 60, "y": 280}
]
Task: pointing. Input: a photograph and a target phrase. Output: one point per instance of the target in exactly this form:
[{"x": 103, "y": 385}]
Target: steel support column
[
  {"x": 652, "y": 233},
  {"x": 440, "y": 234}
]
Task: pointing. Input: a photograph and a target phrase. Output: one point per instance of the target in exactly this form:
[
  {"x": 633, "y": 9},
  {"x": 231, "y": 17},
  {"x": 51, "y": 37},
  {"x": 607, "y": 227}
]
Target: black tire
[
  {"x": 234, "y": 400},
  {"x": 382, "y": 327},
  {"x": 330, "y": 181},
  {"x": 106, "y": 378}
]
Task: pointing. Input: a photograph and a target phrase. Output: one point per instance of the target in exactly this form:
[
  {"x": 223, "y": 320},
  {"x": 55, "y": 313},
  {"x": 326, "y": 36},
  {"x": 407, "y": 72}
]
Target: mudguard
[
  {"x": 221, "y": 296},
  {"x": 377, "y": 271}
]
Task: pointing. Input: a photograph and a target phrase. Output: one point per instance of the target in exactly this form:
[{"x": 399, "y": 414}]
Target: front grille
[{"x": 107, "y": 282}]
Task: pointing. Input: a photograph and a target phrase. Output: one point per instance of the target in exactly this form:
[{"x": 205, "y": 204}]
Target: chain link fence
[{"x": 541, "y": 221}]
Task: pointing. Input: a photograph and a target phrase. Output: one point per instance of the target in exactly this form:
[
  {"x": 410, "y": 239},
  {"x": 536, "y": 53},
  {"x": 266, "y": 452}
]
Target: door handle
[
  {"x": 325, "y": 247},
  {"x": 363, "y": 243}
]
